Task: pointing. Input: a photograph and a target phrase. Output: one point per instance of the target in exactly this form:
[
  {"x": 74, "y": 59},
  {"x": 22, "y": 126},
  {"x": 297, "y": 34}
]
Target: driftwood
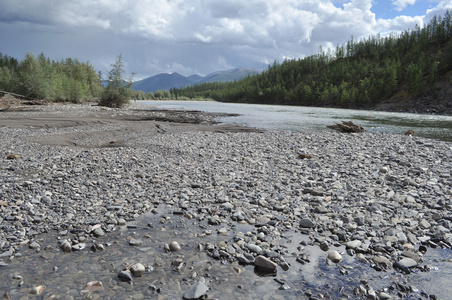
[
  {"x": 410, "y": 132},
  {"x": 11, "y": 101},
  {"x": 347, "y": 126}
]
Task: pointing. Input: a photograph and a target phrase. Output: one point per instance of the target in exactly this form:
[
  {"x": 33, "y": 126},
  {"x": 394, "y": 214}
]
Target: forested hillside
[
  {"x": 360, "y": 74},
  {"x": 40, "y": 78}
]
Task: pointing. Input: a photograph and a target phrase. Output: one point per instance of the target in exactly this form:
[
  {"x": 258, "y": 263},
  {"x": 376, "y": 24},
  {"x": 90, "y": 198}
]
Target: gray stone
[
  {"x": 408, "y": 262},
  {"x": 197, "y": 290},
  {"x": 335, "y": 256},
  {"x": 135, "y": 242},
  {"x": 98, "y": 232},
  {"x": 383, "y": 261},
  {"x": 174, "y": 246},
  {"x": 125, "y": 276},
  {"x": 265, "y": 264},
  {"x": 306, "y": 223},
  {"x": 353, "y": 244},
  {"x": 137, "y": 270},
  {"x": 254, "y": 248}
]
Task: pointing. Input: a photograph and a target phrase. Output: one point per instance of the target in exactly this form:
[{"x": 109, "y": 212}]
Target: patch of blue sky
[{"x": 386, "y": 9}]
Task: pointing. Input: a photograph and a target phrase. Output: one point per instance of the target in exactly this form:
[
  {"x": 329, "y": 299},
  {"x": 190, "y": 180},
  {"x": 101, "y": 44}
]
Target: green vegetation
[
  {"x": 358, "y": 74},
  {"x": 117, "y": 92},
  {"x": 40, "y": 78}
]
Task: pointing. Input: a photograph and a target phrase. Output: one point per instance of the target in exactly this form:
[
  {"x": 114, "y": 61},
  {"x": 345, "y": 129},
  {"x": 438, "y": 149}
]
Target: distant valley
[{"x": 166, "y": 81}]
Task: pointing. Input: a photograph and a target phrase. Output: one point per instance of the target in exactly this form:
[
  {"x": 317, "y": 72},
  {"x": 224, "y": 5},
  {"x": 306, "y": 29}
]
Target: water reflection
[{"x": 65, "y": 274}]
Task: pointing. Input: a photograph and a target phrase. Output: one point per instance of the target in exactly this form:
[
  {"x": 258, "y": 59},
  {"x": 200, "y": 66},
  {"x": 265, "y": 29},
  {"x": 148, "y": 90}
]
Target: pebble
[
  {"x": 125, "y": 276},
  {"x": 265, "y": 264},
  {"x": 334, "y": 256},
  {"x": 137, "y": 270},
  {"x": 135, "y": 242},
  {"x": 361, "y": 192},
  {"x": 174, "y": 246},
  {"x": 197, "y": 290}
]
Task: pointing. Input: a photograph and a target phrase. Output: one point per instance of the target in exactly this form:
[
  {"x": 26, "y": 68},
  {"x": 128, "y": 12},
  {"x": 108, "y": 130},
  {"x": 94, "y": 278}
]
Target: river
[{"x": 298, "y": 118}]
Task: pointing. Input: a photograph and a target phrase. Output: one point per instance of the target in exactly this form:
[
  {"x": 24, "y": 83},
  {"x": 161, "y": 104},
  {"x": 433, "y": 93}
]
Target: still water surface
[{"x": 296, "y": 118}]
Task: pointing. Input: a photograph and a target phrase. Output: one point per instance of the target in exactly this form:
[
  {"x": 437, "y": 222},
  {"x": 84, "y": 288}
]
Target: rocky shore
[{"x": 145, "y": 204}]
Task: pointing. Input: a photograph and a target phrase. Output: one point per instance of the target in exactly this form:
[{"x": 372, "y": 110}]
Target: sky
[{"x": 198, "y": 36}]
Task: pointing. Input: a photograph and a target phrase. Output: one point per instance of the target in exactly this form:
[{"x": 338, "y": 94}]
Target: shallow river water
[
  {"x": 296, "y": 118},
  {"x": 64, "y": 275}
]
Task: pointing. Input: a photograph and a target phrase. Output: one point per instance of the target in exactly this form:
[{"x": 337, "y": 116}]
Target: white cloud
[
  {"x": 197, "y": 35},
  {"x": 402, "y": 4}
]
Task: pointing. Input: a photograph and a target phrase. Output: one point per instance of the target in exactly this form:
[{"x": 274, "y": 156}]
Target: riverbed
[{"x": 88, "y": 193}]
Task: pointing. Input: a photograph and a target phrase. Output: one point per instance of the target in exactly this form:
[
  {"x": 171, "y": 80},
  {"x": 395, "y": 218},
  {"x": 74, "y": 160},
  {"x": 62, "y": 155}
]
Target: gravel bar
[{"x": 280, "y": 210}]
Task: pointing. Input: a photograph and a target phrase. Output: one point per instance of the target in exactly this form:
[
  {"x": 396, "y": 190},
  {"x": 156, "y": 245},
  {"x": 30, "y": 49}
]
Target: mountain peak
[{"x": 166, "y": 81}]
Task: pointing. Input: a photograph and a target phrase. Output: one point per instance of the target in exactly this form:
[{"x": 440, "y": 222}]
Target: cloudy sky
[{"x": 198, "y": 36}]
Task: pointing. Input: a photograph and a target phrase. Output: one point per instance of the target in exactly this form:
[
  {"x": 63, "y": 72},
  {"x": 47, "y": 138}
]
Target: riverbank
[{"x": 115, "y": 188}]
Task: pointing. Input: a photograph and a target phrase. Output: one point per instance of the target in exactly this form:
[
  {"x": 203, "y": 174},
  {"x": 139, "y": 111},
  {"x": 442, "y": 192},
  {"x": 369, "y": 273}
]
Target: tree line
[
  {"x": 39, "y": 77},
  {"x": 356, "y": 74}
]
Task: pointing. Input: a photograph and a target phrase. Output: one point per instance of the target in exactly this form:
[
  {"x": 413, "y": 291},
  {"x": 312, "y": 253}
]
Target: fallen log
[{"x": 347, "y": 126}]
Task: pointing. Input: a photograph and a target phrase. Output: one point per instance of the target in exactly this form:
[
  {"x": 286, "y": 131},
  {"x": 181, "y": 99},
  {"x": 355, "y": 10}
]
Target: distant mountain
[
  {"x": 231, "y": 75},
  {"x": 161, "y": 82},
  {"x": 166, "y": 81}
]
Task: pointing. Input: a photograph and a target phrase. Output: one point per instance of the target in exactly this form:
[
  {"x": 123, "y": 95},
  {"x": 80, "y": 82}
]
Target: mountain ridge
[{"x": 167, "y": 81}]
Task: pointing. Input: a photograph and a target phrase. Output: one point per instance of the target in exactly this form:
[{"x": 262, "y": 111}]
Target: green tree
[{"x": 117, "y": 91}]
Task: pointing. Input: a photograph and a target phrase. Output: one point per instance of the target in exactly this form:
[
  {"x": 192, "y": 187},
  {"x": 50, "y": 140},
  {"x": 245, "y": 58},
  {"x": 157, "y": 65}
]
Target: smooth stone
[
  {"x": 306, "y": 223},
  {"x": 384, "y": 296},
  {"x": 412, "y": 255},
  {"x": 78, "y": 247},
  {"x": 264, "y": 264},
  {"x": 98, "y": 232},
  {"x": 137, "y": 269},
  {"x": 335, "y": 256},
  {"x": 34, "y": 245},
  {"x": 197, "y": 290},
  {"x": 174, "y": 246},
  {"x": 408, "y": 262},
  {"x": 125, "y": 276},
  {"x": 66, "y": 246},
  {"x": 353, "y": 244},
  {"x": 135, "y": 242},
  {"x": 254, "y": 248},
  {"x": 361, "y": 258},
  {"x": 7, "y": 253}
]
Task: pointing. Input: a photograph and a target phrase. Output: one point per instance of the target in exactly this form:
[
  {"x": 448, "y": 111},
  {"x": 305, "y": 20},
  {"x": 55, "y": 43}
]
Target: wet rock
[
  {"x": 98, "y": 232},
  {"x": 66, "y": 246},
  {"x": 265, "y": 264},
  {"x": 125, "y": 276},
  {"x": 383, "y": 261},
  {"x": 334, "y": 256},
  {"x": 407, "y": 262},
  {"x": 197, "y": 290},
  {"x": 78, "y": 247},
  {"x": 137, "y": 270},
  {"x": 174, "y": 246},
  {"x": 135, "y": 242}
]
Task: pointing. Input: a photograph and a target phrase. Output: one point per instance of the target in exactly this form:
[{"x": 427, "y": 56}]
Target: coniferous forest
[
  {"x": 406, "y": 66},
  {"x": 354, "y": 75},
  {"x": 40, "y": 78}
]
